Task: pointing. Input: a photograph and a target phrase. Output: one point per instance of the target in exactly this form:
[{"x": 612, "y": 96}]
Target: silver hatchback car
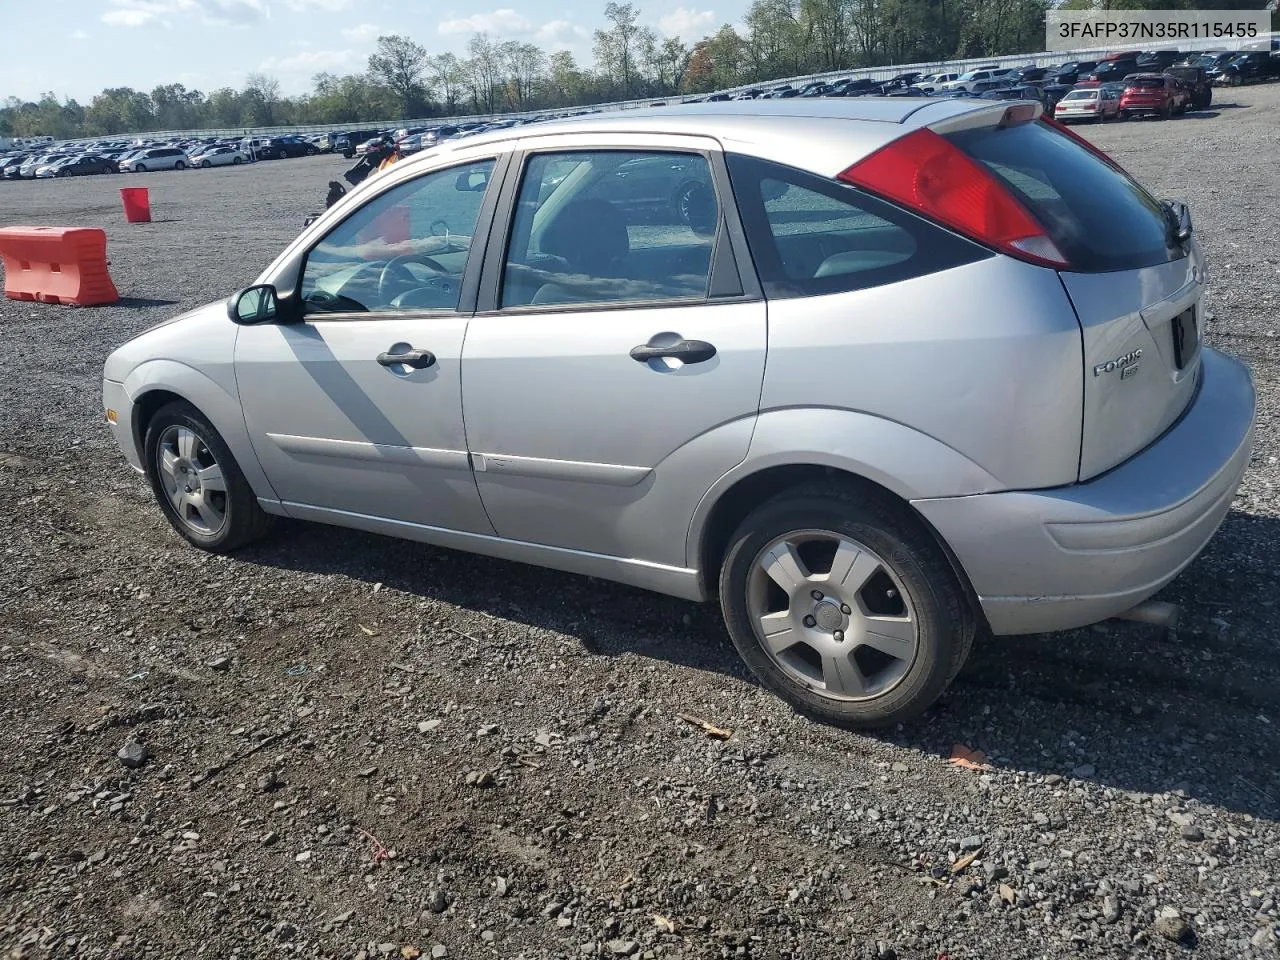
[{"x": 877, "y": 374}]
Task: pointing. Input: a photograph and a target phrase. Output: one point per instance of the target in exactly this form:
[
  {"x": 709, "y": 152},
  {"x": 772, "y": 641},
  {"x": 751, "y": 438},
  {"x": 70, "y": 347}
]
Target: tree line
[{"x": 402, "y": 79}]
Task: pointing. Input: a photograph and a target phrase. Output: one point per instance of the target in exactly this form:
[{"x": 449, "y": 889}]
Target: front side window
[
  {"x": 405, "y": 249},
  {"x": 811, "y": 236},
  {"x": 611, "y": 226}
]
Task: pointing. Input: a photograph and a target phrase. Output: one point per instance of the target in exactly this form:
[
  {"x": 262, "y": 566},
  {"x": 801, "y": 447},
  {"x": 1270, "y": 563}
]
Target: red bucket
[{"x": 137, "y": 204}]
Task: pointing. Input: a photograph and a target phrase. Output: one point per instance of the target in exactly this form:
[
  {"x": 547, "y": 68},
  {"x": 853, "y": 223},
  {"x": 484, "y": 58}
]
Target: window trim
[
  {"x": 752, "y": 210},
  {"x": 729, "y": 231},
  {"x": 470, "y": 282}
]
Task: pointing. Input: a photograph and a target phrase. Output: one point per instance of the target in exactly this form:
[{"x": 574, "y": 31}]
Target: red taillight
[{"x": 926, "y": 173}]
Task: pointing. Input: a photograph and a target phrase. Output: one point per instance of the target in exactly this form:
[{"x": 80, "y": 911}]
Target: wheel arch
[
  {"x": 154, "y": 384},
  {"x": 733, "y": 505}
]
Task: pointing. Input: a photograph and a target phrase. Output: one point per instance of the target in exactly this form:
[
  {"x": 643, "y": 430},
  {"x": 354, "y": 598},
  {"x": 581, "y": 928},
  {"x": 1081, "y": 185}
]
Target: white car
[
  {"x": 217, "y": 156},
  {"x": 966, "y": 80},
  {"x": 934, "y": 82},
  {"x": 157, "y": 158}
]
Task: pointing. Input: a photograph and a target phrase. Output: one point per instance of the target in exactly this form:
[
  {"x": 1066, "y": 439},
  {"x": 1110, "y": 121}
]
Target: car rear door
[{"x": 612, "y": 372}]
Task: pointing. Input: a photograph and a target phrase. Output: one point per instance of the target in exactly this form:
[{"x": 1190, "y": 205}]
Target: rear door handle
[
  {"x": 418, "y": 359},
  {"x": 662, "y": 346}
]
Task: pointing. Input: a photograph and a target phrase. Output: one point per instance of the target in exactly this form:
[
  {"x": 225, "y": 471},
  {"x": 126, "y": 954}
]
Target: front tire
[
  {"x": 236, "y": 161},
  {"x": 179, "y": 165},
  {"x": 205, "y": 164},
  {"x": 841, "y": 603},
  {"x": 198, "y": 483},
  {"x": 139, "y": 168}
]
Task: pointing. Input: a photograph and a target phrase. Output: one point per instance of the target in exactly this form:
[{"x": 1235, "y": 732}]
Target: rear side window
[
  {"x": 1099, "y": 217},
  {"x": 811, "y": 236}
]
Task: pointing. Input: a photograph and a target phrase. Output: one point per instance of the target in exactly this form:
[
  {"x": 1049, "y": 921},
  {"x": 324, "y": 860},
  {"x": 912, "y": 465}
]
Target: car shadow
[
  {"x": 1126, "y": 705},
  {"x": 141, "y": 303}
]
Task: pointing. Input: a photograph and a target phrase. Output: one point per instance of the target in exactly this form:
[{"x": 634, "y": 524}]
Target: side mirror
[
  {"x": 1180, "y": 216},
  {"x": 259, "y": 304}
]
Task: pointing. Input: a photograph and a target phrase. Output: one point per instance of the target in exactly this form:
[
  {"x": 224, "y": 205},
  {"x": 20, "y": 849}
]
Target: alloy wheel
[
  {"x": 832, "y": 614},
  {"x": 192, "y": 480}
]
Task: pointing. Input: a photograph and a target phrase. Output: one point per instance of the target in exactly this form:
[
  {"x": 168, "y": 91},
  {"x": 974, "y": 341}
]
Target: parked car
[
  {"x": 85, "y": 165},
  {"x": 854, "y": 533},
  {"x": 1154, "y": 61},
  {"x": 1073, "y": 70},
  {"x": 1108, "y": 70},
  {"x": 1196, "y": 80},
  {"x": 934, "y": 82},
  {"x": 219, "y": 156},
  {"x": 279, "y": 148},
  {"x": 1025, "y": 92},
  {"x": 1054, "y": 92},
  {"x": 1252, "y": 67},
  {"x": 1031, "y": 74},
  {"x": 966, "y": 80},
  {"x": 979, "y": 87},
  {"x": 853, "y": 87},
  {"x": 1153, "y": 94},
  {"x": 157, "y": 158},
  {"x": 347, "y": 143},
  {"x": 29, "y": 166},
  {"x": 1094, "y": 104}
]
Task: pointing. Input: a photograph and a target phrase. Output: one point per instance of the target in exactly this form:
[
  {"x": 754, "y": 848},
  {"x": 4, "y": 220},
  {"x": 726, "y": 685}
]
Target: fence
[{"x": 1044, "y": 59}]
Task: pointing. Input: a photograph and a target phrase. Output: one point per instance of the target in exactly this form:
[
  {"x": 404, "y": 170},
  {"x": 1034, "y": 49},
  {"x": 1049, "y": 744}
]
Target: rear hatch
[{"x": 1135, "y": 286}]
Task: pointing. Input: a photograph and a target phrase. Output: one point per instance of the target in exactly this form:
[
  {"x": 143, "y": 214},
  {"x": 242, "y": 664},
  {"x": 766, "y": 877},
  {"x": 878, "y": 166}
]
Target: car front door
[
  {"x": 613, "y": 370},
  {"x": 356, "y": 409}
]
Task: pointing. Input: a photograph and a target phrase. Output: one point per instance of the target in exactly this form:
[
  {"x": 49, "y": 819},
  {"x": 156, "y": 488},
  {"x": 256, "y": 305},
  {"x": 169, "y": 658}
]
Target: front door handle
[
  {"x": 663, "y": 346},
  {"x": 418, "y": 359}
]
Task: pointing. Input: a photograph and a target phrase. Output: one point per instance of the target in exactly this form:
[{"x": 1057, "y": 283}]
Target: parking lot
[{"x": 367, "y": 747}]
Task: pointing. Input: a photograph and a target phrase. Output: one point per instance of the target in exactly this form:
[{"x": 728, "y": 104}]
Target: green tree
[{"x": 399, "y": 64}]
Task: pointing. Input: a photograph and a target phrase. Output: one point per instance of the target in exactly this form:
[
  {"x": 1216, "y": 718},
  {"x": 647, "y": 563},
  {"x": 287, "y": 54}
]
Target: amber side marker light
[{"x": 111, "y": 416}]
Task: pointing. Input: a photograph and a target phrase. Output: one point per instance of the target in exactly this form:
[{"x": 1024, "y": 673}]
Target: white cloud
[
  {"x": 362, "y": 32},
  {"x": 139, "y": 13},
  {"x": 686, "y": 22},
  {"x": 233, "y": 12},
  {"x": 561, "y": 33},
  {"x": 80, "y": 35},
  {"x": 327, "y": 6},
  {"x": 308, "y": 62},
  {"x": 504, "y": 22}
]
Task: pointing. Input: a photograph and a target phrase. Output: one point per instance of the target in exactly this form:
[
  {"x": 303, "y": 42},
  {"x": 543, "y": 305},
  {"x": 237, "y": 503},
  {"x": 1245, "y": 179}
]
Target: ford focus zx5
[{"x": 876, "y": 374}]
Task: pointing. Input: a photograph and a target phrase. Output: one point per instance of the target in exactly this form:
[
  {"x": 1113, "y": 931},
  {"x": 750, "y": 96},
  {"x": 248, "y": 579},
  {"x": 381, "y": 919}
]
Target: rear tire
[
  {"x": 897, "y": 591},
  {"x": 181, "y": 451}
]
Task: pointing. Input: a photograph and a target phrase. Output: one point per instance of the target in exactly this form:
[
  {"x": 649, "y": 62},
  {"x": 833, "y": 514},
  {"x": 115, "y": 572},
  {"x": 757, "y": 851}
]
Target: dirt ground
[{"x": 359, "y": 747}]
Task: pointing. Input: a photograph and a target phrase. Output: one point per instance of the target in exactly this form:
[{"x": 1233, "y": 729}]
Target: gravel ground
[{"x": 357, "y": 747}]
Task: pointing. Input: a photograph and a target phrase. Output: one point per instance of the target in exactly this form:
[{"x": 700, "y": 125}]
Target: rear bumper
[{"x": 1054, "y": 559}]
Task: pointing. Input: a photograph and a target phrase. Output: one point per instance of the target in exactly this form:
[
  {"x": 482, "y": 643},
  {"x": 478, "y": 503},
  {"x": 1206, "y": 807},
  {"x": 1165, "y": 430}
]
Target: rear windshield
[
  {"x": 1146, "y": 82},
  {"x": 1099, "y": 218},
  {"x": 1082, "y": 95}
]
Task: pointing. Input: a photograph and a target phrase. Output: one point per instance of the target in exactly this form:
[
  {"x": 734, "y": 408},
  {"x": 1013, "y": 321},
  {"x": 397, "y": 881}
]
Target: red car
[{"x": 1155, "y": 94}]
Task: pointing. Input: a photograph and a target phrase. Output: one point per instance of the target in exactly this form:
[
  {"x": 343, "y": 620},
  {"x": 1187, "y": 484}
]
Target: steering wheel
[{"x": 396, "y": 270}]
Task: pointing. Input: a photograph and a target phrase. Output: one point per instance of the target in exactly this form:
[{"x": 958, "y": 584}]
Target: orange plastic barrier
[{"x": 56, "y": 265}]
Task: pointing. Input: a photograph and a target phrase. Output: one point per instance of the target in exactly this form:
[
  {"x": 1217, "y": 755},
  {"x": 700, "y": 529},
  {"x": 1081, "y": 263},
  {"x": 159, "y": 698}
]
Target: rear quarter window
[
  {"x": 811, "y": 236},
  {"x": 1098, "y": 216}
]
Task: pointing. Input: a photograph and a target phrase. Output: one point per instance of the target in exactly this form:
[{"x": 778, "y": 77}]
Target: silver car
[
  {"x": 892, "y": 372},
  {"x": 155, "y": 158}
]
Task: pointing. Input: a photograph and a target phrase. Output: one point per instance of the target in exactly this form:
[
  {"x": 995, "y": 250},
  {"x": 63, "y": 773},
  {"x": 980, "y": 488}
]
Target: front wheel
[
  {"x": 841, "y": 603},
  {"x": 197, "y": 482},
  {"x": 205, "y": 164},
  {"x": 312, "y": 151},
  {"x": 236, "y": 161},
  {"x": 179, "y": 165},
  {"x": 139, "y": 168}
]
